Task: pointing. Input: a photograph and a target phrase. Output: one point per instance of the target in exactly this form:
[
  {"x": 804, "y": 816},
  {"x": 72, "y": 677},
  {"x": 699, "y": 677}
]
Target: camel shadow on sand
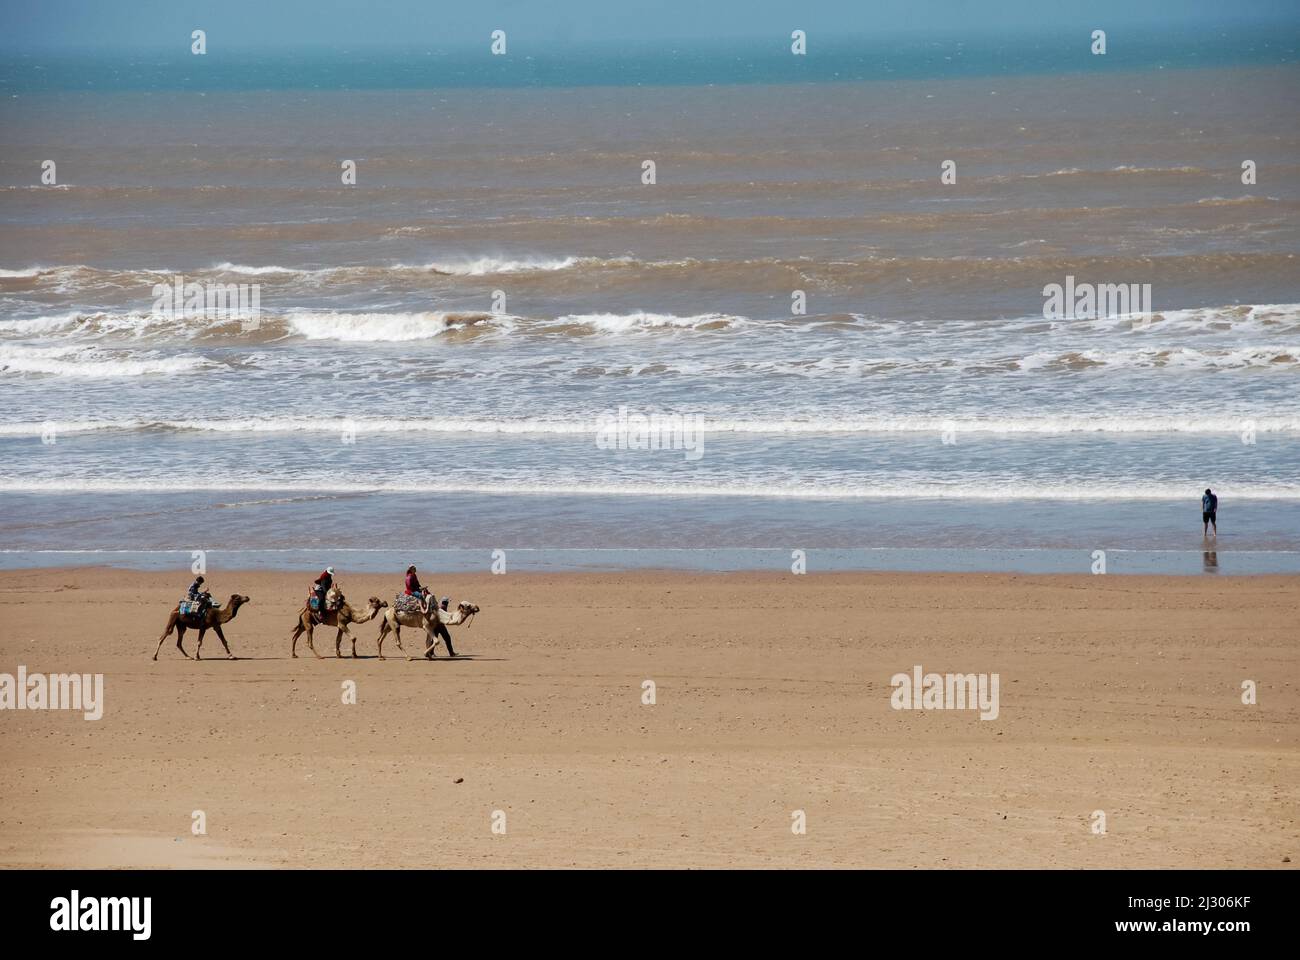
[
  {"x": 364, "y": 656},
  {"x": 402, "y": 657}
]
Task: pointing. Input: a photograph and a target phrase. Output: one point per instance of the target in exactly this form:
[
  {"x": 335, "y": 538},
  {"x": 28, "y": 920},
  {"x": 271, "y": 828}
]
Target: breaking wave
[
  {"x": 384, "y": 327},
  {"x": 922, "y": 425},
  {"x": 91, "y": 363},
  {"x": 576, "y": 486}
]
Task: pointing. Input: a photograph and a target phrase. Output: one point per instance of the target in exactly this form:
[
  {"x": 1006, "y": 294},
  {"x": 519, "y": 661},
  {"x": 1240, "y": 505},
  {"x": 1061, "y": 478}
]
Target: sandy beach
[{"x": 772, "y": 695}]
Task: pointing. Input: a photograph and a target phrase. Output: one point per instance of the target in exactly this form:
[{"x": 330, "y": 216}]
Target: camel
[
  {"x": 341, "y": 617},
  {"x": 434, "y": 624},
  {"x": 213, "y": 618}
]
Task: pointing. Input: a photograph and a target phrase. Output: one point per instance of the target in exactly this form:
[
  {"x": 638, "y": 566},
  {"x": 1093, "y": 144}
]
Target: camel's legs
[
  {"x": 297, "y": 632},
  {"x": 198, "y": 650},
  {"x": 180, "y": 635},
  {"x": 166, "y": 633},
  {"x": 338, "y": 641},
  {"x": 311, "y": 646},
  {"x": 430, "y": 641},
  {"x": 222, "y": 637}
]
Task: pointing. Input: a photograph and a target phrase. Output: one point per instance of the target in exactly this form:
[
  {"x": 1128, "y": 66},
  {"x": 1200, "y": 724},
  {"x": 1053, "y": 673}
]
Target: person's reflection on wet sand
[{"x": 1211, "y": 559}]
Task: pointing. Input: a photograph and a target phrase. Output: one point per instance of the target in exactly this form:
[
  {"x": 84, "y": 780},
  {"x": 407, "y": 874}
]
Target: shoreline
[
  {"x": 393, "y": 576},
  {"x": 772, "y": 695},
  {"x": 1210, "y": 560}
]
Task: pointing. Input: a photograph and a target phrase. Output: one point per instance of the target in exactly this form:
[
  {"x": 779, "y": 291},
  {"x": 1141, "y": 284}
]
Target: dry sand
[{"x": 1120, "y": 694}]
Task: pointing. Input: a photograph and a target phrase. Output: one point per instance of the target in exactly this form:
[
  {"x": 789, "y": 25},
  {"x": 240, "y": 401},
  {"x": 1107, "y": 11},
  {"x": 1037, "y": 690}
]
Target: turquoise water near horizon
[{"x": 938, "y": 54}]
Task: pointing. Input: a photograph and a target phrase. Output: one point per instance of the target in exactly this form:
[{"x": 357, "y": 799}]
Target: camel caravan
[{"x": 415, "y": 608}]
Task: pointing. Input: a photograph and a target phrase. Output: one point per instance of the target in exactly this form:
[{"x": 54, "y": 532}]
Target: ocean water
[{"x": 435, "y": 346}]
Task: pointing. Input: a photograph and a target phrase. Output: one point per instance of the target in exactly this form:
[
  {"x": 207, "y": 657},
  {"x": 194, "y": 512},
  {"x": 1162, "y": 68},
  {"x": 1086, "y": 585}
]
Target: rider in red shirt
[{"x": 414, "y": 588}]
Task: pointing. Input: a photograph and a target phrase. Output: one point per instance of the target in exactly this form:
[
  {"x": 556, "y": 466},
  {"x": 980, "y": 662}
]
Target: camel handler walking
[{"x": 429, "y": 606}]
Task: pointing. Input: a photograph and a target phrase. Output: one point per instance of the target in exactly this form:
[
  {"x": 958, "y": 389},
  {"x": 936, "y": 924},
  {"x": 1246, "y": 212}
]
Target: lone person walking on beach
[{"x": 1210, "y": 512}]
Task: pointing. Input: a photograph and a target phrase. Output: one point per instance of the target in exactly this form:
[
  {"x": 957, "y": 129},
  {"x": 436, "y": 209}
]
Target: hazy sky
[{"x": 161, "y": 24}]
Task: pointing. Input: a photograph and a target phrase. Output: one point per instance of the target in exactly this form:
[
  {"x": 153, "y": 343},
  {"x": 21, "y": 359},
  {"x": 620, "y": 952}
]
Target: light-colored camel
[
  {"x": 212, "y": 619},
  {"x": 341, "y": 617},
  {"x": 434, "y": 623}
]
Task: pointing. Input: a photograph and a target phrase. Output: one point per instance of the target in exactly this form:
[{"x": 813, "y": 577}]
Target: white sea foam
[
  {"x": 135, "y": 324},
  {"x": 640, "y": 320},
  {"x": 1125, "y": 168},
  {"x": 1254, "y": 318},
  {"x": 38, "y": 326},
  {"x": 384, "y": 327},
  {"x": 923, "y": 425},
  {"x": 466, "y": 266},
  {"x": 486, "y": 266},
  {"x": 88, "y": 362},
  {"x": 1267, "y": 356},
  {"x": 1230, "y": 201},
  {"x": 359, "y": 327},
  {"x": 1174, "y": 328},
  {"x": 808, "y": 490},
  {"x": 254, "y": 271}
]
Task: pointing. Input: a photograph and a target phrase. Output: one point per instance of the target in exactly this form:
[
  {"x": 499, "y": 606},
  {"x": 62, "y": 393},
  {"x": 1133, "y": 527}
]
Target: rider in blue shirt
[{"x": 196, "y": 592}]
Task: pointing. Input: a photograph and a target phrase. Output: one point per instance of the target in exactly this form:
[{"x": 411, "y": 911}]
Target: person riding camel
[
  {"x": 413, "y": 587},
  {"x": 323, "y": 584},
  {"x": 196, "y": 593}
]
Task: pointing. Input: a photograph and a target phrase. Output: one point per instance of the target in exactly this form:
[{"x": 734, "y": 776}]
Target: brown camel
[
  {"x": 212, "y": 619},
  {"x": 434, "y": 623},
  {"x": 342, "y": 618}
]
